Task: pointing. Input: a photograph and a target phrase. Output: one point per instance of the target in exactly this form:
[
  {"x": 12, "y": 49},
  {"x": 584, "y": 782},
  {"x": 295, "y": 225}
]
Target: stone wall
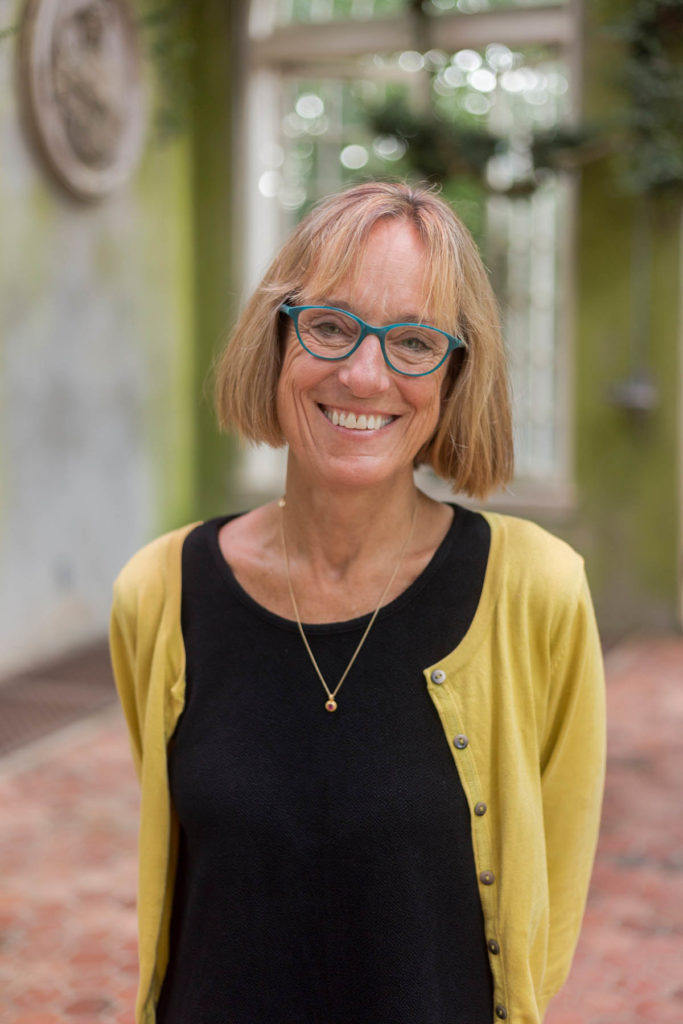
[{"x": 96, "y": 415}]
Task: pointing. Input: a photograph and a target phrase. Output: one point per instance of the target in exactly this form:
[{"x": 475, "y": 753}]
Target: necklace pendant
[{"x": 331, "y": 704}]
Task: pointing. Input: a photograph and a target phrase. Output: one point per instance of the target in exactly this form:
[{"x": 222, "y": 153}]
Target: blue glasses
[{"x": 411, "y": 349}]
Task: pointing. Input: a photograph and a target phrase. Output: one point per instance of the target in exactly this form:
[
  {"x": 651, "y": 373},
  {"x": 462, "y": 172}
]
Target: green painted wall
[
  {"x": 625, "y": 463},
  {"x": 214, "y": 131},
  {"x": 164, "y": 185}
]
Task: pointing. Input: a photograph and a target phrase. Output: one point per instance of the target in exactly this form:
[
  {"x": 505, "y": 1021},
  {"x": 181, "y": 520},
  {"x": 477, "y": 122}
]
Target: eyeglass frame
[{"x": 366, "y": 329}]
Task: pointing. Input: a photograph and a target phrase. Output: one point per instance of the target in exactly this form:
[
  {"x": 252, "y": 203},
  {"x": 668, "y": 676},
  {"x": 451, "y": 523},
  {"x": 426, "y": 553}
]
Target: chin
[{"x": 357, "y": 472}]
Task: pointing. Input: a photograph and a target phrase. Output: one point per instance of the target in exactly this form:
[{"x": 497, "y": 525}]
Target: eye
[
  {"x": 331, "y": 328},
  {"x": 414, "y": 343},
  {"x": 413, "y": 340}
]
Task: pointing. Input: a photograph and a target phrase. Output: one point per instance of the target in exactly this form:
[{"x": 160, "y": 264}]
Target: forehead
[{"x": 389, "y": 271}]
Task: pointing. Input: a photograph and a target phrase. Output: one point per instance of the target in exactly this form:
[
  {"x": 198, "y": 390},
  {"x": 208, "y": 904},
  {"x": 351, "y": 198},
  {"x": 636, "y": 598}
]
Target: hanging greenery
[
  {"x": 438, "y": 150},
  {"x": 167, "y": 33},
  {"x": 653, "y": 85},
  {"x": 435, "y": 149},
  {"x": 646, "y": 141}
]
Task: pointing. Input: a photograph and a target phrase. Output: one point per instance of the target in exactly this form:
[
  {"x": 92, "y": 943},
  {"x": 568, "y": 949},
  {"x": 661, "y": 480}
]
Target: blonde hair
[{"x": 472, "y": 444}]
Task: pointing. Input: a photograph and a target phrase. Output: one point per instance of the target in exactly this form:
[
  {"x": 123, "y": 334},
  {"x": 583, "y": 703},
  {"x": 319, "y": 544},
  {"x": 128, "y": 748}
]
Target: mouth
[{"x": 355, "y": 421}]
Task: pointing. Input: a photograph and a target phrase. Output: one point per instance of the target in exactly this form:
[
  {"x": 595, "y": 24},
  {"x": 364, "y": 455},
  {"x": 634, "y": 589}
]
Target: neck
[{"x": 335, "y": 529}]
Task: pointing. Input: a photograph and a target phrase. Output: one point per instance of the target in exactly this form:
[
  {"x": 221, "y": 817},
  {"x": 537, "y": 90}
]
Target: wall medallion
[{"x": 82, "y": 80}]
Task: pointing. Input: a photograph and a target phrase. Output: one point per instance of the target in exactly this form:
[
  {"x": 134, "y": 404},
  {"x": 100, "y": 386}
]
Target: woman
[{"x": 368, "y": 725}]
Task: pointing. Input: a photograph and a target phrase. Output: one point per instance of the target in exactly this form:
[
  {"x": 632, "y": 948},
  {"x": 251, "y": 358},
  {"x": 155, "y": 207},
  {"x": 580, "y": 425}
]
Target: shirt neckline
[
  {"x": 480, "y": 625},
  {"x": 346, "y": 625}
]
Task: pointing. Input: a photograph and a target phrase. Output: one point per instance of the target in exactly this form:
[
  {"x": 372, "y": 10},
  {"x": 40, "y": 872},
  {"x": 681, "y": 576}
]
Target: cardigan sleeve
[
  {"x": 145, "y": 639},
  {"x": 148, "y": 660},
  {"x": 122, "y": 647},
  {"x": 572, "y": 777}
]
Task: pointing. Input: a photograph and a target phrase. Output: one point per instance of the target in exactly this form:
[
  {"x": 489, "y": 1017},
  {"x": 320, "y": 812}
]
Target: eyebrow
[{"x": 404, "y": 318}]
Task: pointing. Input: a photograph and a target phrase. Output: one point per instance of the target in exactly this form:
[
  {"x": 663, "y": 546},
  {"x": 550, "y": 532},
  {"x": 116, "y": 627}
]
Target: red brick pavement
[
  {"x": 68, "y": 815},
  {"x": 67, "y": 867}
]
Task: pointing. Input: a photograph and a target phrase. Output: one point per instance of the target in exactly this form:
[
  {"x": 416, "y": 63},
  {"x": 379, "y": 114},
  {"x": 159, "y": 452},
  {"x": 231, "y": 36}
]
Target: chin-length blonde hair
[{"x": 472, "y": 444}]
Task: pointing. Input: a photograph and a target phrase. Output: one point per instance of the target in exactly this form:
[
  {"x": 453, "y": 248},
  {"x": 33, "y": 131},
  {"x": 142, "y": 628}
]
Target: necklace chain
[{"x": 331, "y": 703}]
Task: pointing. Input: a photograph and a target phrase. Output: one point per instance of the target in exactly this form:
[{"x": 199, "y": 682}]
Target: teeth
[{"x": 353, "y": 422}]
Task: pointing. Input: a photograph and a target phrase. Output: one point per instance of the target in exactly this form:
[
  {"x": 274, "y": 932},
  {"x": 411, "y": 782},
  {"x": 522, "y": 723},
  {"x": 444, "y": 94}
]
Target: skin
[{"x": 350, "y": 493}]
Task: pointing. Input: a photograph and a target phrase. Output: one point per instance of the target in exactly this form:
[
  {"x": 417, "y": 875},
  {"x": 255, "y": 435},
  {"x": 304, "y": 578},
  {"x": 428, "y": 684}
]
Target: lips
[{"x": 355, "y": 421}]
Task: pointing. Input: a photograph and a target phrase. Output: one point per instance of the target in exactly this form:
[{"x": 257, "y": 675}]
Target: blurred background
[{"x": 152, "y": 158}]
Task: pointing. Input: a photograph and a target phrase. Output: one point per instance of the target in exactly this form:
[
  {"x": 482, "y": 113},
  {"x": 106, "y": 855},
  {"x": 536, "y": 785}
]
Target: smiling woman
[
  {"x": 416, "y": 846},
  {"x": 472, "y": 446},
  {"x": 389, "y": 279}
]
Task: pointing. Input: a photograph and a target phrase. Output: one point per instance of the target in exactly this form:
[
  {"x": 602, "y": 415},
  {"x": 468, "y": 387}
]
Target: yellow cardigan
[{"x": 521, "y": 700}]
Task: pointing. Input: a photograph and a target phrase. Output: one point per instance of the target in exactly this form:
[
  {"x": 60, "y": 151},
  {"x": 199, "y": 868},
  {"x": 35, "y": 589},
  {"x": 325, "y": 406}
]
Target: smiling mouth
[{"x": 355, "y": 421}]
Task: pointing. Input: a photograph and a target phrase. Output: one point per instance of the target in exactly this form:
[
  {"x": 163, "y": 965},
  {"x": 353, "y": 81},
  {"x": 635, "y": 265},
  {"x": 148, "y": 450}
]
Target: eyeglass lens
[{"x": 410, "y": 348}]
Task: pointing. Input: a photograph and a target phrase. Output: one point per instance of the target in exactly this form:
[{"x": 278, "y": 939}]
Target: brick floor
[
  {"x": 68, "y": 809},
  {"x": 68, "y": 813}
]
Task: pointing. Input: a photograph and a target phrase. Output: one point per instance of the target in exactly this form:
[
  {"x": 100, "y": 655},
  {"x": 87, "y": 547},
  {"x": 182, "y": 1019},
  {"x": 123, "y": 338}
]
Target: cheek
[
  {"x": 432, "y": 396},
  {"x": 299, "y": 373},
  {"x": 430, "y": 403}
]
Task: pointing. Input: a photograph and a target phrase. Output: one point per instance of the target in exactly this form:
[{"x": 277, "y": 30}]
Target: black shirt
[{"x": 326, "y": 873}]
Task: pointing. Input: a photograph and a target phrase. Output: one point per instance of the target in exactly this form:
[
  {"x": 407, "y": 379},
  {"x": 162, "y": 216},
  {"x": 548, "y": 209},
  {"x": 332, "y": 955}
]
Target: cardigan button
[
  {"x": 487, "y": 878},
  {"x": 460, "y": 741},
  {"x": 480, "y": 808},
  {"x": 493, "y": 947},
  {"x": 438, "y": 676},
  {"x": 501, "y": 1012}
]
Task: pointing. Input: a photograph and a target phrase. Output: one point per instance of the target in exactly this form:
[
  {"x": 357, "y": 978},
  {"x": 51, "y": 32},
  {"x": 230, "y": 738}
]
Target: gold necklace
[{"x": 331, "y": 703}]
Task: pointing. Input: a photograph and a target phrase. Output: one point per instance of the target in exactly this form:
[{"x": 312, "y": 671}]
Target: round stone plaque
[{"x": 82, "y": 78}]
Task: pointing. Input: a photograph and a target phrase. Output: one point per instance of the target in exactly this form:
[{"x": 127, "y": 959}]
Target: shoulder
[
  {"x": 152, "y": 570},
  {"x": 532, "y": 560},
  {"x": 532, "y": 547},
  {"x": 541, "y": 591}
]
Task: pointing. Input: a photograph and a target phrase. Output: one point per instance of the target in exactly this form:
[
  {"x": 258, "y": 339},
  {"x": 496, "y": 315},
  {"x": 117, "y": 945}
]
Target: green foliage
[
  {"x": 653, "y": 83},
  {"x": 443, "y": 151},
  {"x": 436, "y": 150},
  {"x": 10, "y": 30},
  {"x": 565, "y": 148},
  {"x": 168, "y": 37}
]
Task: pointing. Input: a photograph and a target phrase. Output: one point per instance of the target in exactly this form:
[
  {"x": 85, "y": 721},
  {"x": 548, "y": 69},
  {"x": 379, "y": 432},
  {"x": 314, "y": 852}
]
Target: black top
[{"x": 326, "y": 872}]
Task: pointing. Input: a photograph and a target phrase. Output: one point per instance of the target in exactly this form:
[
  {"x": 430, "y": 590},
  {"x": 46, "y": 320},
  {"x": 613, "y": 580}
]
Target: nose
[{"x": 365, "y": 372}]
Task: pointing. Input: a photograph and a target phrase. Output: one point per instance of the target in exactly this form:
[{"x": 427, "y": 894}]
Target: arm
[
  {"x": 122, "y": 647},
  {"x": 572, "y": 778}
]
